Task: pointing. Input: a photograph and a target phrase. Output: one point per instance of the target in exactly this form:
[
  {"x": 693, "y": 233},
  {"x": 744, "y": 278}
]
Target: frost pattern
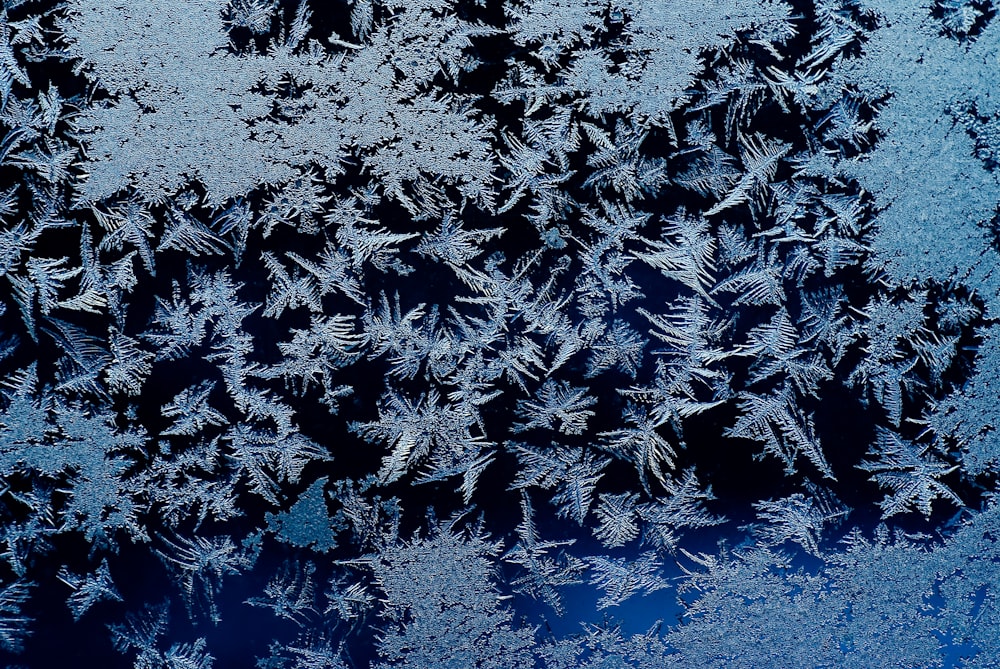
[{"x": 649, "y": 300}]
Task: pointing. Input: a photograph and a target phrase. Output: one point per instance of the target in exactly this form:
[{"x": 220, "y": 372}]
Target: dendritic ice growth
[{"x": 528, "y": 333}]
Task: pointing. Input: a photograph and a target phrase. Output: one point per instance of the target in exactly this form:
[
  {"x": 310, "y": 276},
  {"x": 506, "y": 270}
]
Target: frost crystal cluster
[{"x": 514, "y": 334}]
